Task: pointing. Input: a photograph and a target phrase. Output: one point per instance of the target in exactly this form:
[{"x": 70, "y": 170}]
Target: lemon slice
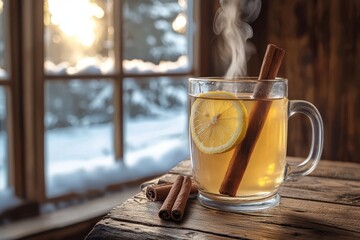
[{"x": 218, "y": 121}]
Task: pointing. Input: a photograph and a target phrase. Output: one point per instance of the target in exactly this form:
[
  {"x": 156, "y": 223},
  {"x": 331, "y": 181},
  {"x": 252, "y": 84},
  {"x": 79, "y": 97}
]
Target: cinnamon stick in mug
[{"x": 242, "y": 154}]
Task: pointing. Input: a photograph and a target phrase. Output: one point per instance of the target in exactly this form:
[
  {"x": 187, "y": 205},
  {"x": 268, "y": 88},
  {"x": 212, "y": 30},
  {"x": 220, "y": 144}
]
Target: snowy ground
[
  {"x": 79, "y": 158},
  {"x": 82, "y": 157},
  {"x": 7, "y": 198}
]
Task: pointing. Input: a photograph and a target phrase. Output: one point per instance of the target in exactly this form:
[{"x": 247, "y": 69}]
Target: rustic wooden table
[{"x": 323, "y": 205}]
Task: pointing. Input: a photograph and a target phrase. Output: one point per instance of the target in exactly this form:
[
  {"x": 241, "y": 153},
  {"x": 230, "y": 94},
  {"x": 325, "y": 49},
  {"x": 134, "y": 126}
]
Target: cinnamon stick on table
[
  {"x": 175, "y": 203},
  {"x": 178, "y": 209},
  {"x": 165, "y": 210},
  {"x": 242, "y": 154},
  {"x": 159, "y": 192}
]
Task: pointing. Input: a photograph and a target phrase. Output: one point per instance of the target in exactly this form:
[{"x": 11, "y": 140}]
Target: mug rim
[{"x": 248, "y": 79}]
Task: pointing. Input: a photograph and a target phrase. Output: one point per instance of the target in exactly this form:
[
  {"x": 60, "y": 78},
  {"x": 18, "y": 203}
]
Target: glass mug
[{"x": 238, "y": 141}]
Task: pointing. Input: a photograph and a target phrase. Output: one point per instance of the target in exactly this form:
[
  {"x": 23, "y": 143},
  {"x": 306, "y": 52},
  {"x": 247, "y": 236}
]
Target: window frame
[
  {"x": 25, "y": 88},
  {"x": 11, "y": 86},
  {"x": 34, "y": 79}
]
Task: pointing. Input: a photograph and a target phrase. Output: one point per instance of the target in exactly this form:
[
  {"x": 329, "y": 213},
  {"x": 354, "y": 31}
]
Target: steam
[{"x": 232, "y": 22}]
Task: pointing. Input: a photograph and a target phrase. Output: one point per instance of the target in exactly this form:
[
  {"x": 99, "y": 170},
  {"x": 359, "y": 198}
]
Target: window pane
[
  {"x": 79, "y": 134},
  {"x": 3, "y": 48},
  {"x": 155, "y": 122},
  {"x": 157, "y": 36},
  {"x": 4, "y": 183},
  {"x": 79, "y": 37}
]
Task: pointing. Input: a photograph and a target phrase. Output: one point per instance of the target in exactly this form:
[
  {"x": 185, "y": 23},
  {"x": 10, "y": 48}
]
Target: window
[
  {"x": 8, "y": 180},
  {"x": 104, "y": 94},
  {"x": 87, "y": 69},
  {"x": 4, "y": 158},
  {"x": 3, "y": 142}
]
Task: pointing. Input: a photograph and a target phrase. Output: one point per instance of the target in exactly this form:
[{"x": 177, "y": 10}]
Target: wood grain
[
  {"x": 130, "y": 230},
  {"x": 324, "y": 190},
  {"x": 326, "y": 168},
  {"x": 320, "y": 206},
  {"x": 322, "y": 41},
  {"x": 293, "y": 218},
  {"x": 331, "y": 169}
]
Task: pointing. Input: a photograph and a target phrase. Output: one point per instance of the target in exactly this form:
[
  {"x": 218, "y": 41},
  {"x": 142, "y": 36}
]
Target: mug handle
[{"x": 310, "y": 163}]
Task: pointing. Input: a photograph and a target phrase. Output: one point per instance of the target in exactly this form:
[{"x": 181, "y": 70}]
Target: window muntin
[
  {"x": 105, "y": 68},
  {"x": 68, "y": 100}
]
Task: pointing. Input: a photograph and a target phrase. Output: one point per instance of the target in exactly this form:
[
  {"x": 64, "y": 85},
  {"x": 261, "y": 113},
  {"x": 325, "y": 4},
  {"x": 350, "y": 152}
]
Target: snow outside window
[
  {"x": 79, "y": 112},
  {"x": 7, "y": 198},
  {"x": 155, "y": 121},
  {"x": 157, "y": 36}
]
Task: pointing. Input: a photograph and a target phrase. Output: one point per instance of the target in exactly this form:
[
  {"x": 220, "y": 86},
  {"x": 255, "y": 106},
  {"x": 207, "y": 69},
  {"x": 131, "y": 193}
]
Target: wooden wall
[{"x": 322, "y": 63}]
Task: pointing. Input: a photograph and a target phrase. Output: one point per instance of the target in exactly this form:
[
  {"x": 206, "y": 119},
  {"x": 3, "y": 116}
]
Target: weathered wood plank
[
  {"x": 323, "y": 189},
  {"x": 294, "y": 218},
  {"x": 109, "y": 229},
  {"x": 311, "y": 188},
  {"x": 184, "y": 168},
  {"x": 328, "y": 183},
  {"x": 325, "y": 168},
  {"x": 337, "y": 170},
  {"x": 333, "y": 169},
  {"x": 324, "y": 205}
]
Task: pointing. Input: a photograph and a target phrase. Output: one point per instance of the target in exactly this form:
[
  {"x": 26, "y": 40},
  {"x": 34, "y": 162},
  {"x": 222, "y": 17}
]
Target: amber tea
[
  {"x": 231, "y": 132},
  {"x": 265, "y": 170}
]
